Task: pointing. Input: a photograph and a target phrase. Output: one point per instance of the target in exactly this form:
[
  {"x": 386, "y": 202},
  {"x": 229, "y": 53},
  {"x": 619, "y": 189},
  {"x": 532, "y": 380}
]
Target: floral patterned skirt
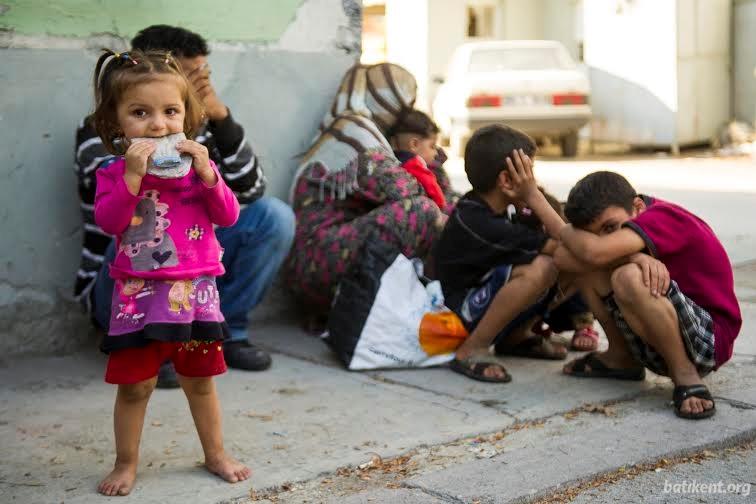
[{"x": 320, "y": 258}]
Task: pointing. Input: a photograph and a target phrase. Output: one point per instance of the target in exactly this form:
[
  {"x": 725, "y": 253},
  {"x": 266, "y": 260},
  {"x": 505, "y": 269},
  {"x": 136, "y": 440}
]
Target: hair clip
[
  {"x": 126, "y": 56},
  {"x": 167, "y": 57}
]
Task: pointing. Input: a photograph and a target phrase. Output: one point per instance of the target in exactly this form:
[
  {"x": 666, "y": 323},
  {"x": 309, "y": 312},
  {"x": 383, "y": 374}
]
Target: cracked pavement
[{"x": 306, "y": 426}]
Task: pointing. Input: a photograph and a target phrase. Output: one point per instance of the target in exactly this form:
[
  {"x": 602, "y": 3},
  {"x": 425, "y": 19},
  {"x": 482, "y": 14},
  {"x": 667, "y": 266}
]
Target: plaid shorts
[{"x": 696, "y": 328}]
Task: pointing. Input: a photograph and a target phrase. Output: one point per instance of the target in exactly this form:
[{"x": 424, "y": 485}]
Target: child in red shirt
[
  {"x": 660, "y": 283},
  {"x": 414, "y": 141}
]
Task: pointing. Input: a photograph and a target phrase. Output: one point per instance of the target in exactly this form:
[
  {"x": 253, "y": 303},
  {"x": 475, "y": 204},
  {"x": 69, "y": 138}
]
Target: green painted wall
[{"x": 232, "y": 20}]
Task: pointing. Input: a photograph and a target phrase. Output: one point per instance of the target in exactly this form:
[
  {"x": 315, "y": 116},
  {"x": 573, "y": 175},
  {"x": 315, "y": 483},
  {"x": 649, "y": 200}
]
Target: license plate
[{"x": 525, "y": 99}]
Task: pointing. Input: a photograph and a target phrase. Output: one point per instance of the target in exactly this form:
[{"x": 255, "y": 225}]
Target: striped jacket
[{"x": 228, "y": 147}]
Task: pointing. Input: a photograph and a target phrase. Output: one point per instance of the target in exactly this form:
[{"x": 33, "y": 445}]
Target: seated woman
[{"x": 350, "y": 187}]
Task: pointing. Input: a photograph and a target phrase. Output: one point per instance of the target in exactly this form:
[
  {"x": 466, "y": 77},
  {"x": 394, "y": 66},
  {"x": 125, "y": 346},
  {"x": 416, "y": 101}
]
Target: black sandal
[
  {"x": 475, "y": 367},
  {"x": 683, "y": 392},
  {"x": 600, "y": 370}
]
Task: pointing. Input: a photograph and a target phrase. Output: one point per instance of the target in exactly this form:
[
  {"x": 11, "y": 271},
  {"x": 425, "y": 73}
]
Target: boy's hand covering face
[
  {"x": 522, "y": 181},
  {"x": 199, "y": 78},
  {"x": 521, "y": 187}
]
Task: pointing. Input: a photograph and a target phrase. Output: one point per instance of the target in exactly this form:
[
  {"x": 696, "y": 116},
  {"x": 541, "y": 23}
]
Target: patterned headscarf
[{"x": 370, "y": 101}]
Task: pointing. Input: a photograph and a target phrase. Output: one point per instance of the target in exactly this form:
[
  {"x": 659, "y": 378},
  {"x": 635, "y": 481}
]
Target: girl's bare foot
[
  {"x": 228, "y": 468},
  {"x": 120, "y": 481}
]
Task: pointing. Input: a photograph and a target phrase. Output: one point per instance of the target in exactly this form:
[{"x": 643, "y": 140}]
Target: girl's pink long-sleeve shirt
[{"x": 166, "y": 232}]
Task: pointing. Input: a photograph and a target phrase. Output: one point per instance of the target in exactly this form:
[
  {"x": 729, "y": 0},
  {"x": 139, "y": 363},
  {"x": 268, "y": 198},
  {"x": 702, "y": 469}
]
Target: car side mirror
[{"x": 438, "y": 79}]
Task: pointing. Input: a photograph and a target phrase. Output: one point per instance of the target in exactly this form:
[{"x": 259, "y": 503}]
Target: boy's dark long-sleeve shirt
[
  {"x": 476, "y": 240},
  {"x": 228, "y": 148}
]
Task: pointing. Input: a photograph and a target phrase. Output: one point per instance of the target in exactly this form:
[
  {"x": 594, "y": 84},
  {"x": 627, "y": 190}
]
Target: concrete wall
[
  {"x": 704, "y": 68},
  {"x": 519, "y": 20},
  {"x": 447, "y": 29},
  {"x": 276, "y": 63},
  {"x": 744, "y": 60},
  {"x": 563, "y": 21},
  {"x": 407, "y": 40},
  {"x": 668, "y": 88},
  {"x": 421, "y": 35},
  {"x": 260, "y": 21},
  {"x": 633, "y": 85}
]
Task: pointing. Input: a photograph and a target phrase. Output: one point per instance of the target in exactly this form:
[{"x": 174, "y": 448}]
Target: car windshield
[{"x": 520, "y": 58}]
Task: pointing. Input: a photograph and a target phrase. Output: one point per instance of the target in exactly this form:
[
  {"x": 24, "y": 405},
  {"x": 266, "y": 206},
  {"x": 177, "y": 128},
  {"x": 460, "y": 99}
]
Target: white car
[{"x": 532, "y": 85}]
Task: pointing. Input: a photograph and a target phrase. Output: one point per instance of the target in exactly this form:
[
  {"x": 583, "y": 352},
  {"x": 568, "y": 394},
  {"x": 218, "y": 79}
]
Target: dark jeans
[{"x": 254, "y": 249}]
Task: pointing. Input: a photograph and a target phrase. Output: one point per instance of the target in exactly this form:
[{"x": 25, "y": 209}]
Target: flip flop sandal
[
  {"x": 600, "y": 370},
  {"x": 537, "y": 347},
  {"x": 683, "y": 392},
  {"x": 475, "y": 367},
  {"x": 588, "y": 332}
]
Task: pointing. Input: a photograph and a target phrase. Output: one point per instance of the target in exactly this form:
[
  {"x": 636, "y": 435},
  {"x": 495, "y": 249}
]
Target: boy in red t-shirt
[
  {"x": 659, "y": 282},
  {"x": 414, "y": 140}
]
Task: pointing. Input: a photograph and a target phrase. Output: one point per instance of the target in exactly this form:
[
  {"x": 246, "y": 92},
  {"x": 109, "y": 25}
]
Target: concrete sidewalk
[{"x": 313, "y": 432}]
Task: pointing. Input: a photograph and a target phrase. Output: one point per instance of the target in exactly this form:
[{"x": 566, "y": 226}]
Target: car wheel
[{"x": 569, "y": 144}]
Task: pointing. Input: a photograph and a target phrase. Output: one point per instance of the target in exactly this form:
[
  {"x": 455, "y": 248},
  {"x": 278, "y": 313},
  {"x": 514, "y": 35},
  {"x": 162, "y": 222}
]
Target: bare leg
[
  {"x": 655, "y": 321},
  {"x": 525, "y": 284},
  {"x": 205, "y": 408},
  {"x": 594, "y": 286},
  {"x": 130, "y": 407}
]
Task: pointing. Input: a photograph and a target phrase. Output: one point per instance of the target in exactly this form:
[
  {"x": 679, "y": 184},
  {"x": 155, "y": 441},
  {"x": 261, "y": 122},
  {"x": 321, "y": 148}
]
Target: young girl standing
[{"x": 165, "y": 304}]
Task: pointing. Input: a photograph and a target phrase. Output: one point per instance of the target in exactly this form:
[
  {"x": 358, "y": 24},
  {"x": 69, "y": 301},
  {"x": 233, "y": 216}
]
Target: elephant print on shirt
[
  {"x": 146, "y": 242},
  {"x": 179, "y": 296}
]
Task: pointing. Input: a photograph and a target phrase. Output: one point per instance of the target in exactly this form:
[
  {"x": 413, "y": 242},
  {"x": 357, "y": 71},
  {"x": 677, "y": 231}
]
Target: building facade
[
  {"x": 663, "y": 72},
  {"x": 275, "y": 63}
]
